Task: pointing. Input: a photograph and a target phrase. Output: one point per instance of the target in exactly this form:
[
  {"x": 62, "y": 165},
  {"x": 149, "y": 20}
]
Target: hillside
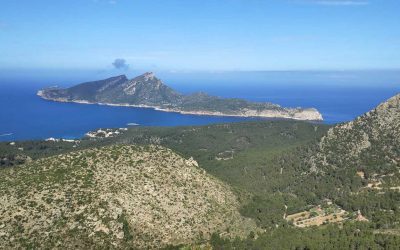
[
  {"x": 245, "y": 155},
  {"x": 148, "y": 91},
  {"x": 114, "y": 196},
  {"x": 344, "y": 178},
  {"x": 357, "y": 165},
  {"x": 349, "y": 180},
  {"x": 369, "y": 142}
]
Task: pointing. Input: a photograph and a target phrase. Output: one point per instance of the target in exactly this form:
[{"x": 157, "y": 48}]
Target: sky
[{"x": 213, "y": 35}]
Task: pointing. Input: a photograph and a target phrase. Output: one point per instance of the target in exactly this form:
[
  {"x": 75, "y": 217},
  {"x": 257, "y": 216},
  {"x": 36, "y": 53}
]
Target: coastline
[{"x": 316, "y": 115}]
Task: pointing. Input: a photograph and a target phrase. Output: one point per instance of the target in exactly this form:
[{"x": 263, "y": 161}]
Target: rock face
[
  {"x": 114, "y": 197},
  {"x": 149, "y": 91},
  {"x": 372, "y": 139}
]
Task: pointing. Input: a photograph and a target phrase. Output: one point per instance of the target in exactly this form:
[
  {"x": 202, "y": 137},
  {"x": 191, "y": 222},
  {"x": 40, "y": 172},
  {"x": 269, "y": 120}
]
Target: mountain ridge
[{"x": 149, "y": 91}]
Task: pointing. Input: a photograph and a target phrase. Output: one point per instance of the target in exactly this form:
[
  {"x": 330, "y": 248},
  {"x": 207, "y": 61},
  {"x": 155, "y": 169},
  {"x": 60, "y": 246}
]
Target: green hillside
[
  {"x": 273, "y": 169},
  {"x": 117, "y": 196}
]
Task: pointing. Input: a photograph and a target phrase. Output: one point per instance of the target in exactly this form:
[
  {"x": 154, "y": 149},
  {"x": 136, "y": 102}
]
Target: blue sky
[{"x": 200, "y": 34}]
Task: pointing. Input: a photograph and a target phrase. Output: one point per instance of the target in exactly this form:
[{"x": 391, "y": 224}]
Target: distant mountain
[
  {"x": 371, "y": 141},
  {"x": 148, "y": 91},
  {"x": 145, "y": 90}
]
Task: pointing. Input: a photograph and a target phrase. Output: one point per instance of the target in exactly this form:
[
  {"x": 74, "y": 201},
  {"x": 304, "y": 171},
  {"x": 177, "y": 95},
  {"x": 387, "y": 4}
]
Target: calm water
[{"x": 340, "y": 98}]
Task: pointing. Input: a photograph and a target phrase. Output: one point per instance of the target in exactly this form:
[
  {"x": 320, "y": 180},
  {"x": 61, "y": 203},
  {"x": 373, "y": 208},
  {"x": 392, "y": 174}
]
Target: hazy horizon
[{"x": 377, "y": 78}]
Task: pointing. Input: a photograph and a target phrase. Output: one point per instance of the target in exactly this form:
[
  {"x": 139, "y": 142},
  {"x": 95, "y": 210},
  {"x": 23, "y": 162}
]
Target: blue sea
[{"x": 339, "y": 95}]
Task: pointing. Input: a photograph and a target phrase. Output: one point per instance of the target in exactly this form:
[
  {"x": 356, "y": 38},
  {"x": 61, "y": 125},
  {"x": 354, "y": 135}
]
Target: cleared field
[{"x": 317, "y": 216}]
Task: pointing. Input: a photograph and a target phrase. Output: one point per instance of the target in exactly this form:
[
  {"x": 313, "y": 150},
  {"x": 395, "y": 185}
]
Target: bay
[{"x": 341, "y": 98}]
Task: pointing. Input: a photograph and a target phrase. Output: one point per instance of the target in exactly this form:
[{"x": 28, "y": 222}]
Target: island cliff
[{"x": 150, "y": 92}]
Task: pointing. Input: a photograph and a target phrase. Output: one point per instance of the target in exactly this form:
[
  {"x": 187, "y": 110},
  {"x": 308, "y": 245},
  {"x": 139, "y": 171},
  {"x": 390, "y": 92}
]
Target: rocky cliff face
[
  {"x": 147, "y": 90},
  {"x": 114, "y": 197},
  {"x": 371, "y": 140}
]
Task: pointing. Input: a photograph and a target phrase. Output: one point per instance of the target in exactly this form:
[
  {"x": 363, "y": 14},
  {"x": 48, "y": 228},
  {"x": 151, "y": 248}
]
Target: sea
[{"x": 339, "y": 95}]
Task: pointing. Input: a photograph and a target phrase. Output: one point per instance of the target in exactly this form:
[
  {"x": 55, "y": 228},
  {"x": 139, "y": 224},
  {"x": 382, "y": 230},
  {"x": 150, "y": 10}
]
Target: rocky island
[{"x": 148, "y": 91}]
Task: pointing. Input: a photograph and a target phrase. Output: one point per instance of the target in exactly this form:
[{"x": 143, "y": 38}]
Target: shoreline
[{"x": 273, "y": 114}]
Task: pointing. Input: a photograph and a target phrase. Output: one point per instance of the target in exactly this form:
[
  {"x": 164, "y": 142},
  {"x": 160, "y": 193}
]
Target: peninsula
[{"x": 148, "y": 91}]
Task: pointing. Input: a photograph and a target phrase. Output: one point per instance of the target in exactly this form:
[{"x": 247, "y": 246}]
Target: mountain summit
[{"x": 149, "y": 91}]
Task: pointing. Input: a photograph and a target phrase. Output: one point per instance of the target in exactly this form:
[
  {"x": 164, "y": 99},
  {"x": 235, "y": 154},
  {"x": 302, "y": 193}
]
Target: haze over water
[{"x": 339, "y": 96}]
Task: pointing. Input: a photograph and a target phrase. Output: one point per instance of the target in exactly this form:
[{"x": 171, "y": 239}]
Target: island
[{"x": 148, "y": 91}]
